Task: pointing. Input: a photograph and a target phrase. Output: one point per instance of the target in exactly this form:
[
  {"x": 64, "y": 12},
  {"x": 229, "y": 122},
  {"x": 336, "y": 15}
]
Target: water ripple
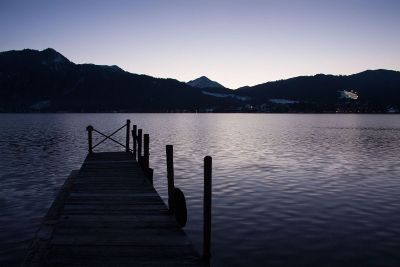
[{"x": 288, "y": 190}]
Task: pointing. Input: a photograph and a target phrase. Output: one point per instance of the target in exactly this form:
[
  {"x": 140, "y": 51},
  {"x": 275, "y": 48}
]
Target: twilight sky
[{"x": 236, "y": 43}]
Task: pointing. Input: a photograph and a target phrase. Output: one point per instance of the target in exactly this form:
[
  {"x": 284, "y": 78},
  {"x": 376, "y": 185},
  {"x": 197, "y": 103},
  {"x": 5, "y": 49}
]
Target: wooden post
[
  {"x": 146, "y": 151},
  {"x": 170, "y": 175},
  {"x": 134, "y": 132},
  {"x": 150, "y": 173},
  {"x": 207, "y": 208},
  {"x": 89, "y": 129},
  {"x": 139, "y": 136},
  {"x": 128, "y": 133}
]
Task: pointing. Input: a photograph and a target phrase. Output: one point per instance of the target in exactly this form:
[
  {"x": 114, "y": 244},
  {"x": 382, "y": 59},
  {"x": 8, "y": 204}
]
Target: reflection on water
[{"x": 288, "y": 190}]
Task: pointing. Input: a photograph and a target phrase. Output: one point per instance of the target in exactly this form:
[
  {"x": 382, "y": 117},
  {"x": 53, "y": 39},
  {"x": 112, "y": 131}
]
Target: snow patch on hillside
[
  {"x": 41, "y": 105},
  {"x": 349, "y": 94},
  {"x": 282, "y": 101},
  {"x": 241, "y": 98}
]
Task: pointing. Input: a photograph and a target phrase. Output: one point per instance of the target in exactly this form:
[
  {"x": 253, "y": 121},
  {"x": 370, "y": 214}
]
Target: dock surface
[{"x": 109, "y": 214}]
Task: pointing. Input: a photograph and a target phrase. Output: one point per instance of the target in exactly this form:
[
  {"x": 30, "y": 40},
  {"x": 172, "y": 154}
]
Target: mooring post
[
  {"x": 139, "y": 136},
  {"x": 89, "y": 129},
  {"x": 207, "y": 208},
  {"x": 134, "y": 131},
  {"x": 146, "y": 151},
  {"x": 128, "y": 133},
  {"x": 150, "y": 173},
  {"x": 170, "y": 175}
]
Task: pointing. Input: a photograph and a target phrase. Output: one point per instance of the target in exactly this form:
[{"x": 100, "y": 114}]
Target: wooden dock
[{"x": 109, "y": 214}]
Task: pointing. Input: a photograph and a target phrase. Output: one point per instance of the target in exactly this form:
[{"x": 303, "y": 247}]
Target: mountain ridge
[
  {"x": 46, "y": 81},
  {"x": 204, "y": 82},
  {"x": 29, "y": 77}
]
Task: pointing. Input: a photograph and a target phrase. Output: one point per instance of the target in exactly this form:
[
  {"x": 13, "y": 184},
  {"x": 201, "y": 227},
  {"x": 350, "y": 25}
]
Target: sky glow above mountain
[{"x": 235, "y": 43}]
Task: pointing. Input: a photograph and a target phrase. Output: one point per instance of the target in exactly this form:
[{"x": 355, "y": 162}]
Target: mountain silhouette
[
  {"x": 46, "y": 81},
  {"x": 376, "y": 90},
  {"x": 204, "y": 82}
]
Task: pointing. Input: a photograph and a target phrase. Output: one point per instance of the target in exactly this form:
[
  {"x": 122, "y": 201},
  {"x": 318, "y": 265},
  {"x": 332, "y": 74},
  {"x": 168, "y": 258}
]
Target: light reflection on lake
[{"x": 288, "y": 189}]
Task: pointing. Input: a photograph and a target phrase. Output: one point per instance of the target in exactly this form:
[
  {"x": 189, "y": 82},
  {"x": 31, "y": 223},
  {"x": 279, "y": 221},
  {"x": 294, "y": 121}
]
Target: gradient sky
[{"x": 236, "y": 43}]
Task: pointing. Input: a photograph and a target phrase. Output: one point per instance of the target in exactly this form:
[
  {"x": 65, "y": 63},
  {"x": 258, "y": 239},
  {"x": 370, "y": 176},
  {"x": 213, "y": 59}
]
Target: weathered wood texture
[{"x": 108, "y": 214}]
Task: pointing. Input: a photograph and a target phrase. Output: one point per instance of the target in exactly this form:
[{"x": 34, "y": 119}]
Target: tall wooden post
[
  {"x": 139, "y": 136},
  {"x": 89, "y": 129},
  {"x": 170, "y": 175},
  {"x": 207, "y": 208},
  {"x": 134, "y": 132},
  {"x": 128, "y": 133},
  {"x": 150, "y": 173},
  {"x": 146, "y": 151}
]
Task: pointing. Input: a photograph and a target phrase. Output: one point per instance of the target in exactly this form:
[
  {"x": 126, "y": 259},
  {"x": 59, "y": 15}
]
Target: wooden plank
[
  {"x": 111, "y": 208},
  {"x": 120, "y": 234},
  {"x": 139, "y": 187},
  {"x": 106, "y": 262},
  {"x": 116, "y": 213},
  {"x": 116, "y": 191},
  {"x": 125, "y": 217},
  {"x": 113, "y": 195},
  {"x": 115, "y": 208},
  {"x": 120, "y": 251},
  {"x": 168, "y": 240},
  {"x": 122, "y": 224},
  {"x": 110, "y": 202},
  {"x": 113, "y": 199}
]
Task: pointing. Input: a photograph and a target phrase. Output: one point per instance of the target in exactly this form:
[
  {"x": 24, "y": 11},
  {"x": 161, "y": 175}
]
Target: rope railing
[
  {"x": 90, "y": 131},
  {"x": 140, "y": 142},
  {"x": 108, "y": 137}
]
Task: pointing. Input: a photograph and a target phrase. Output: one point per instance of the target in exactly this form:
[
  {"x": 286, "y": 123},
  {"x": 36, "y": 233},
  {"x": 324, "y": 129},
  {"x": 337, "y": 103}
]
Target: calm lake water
[{"x": 288, "y": 190}]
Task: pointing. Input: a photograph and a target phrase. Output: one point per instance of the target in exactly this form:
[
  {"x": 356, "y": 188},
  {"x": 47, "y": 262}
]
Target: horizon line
[{"x": 207, "y": 76}]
